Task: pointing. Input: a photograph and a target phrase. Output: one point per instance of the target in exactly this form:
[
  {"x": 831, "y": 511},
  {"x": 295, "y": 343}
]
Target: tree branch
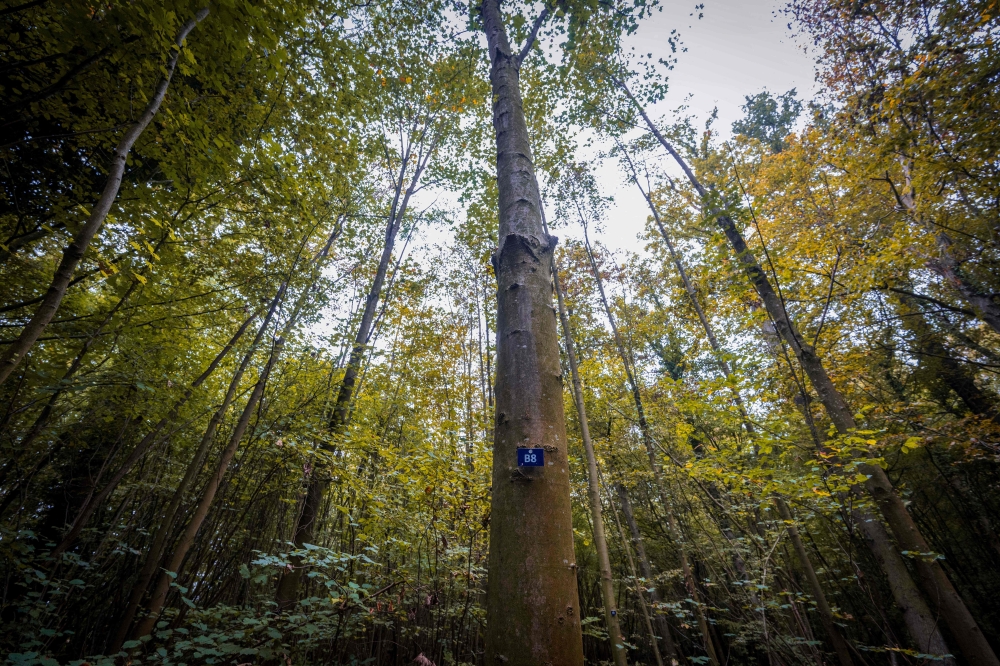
[{"x": 531, "y": 38}]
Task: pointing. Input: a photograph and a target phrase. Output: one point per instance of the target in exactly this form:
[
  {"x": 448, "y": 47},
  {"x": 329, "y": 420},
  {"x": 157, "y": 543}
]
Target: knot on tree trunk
[{"x": 539, "y": 247}]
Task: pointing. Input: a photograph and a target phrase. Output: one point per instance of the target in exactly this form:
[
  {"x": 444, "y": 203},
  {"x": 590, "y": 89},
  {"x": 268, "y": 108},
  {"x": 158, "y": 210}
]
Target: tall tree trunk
[
  {"x": 932, "y": 577},
  {"x": 833, "y": 632},
  {"x": 918, "y": 618},
  {"x": 532, "y": 604},
  {"x": 172, "y": 567},
  {"x": 647, "y": 440},
  {"x": 618, "y": 651},
  {"x": 73, "y": 254}
]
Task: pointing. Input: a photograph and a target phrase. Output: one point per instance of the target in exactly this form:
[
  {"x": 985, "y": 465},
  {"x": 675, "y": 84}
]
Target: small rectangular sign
[{"x": 530, "y": 457}]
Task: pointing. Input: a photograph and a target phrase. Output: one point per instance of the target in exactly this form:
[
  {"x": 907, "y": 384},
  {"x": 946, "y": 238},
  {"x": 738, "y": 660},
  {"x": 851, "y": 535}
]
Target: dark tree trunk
[{"x": 662, "y": 626}]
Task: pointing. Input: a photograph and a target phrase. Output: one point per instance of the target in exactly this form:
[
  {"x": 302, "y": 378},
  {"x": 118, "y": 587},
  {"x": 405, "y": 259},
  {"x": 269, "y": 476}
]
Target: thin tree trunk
[
  {"x": 675, "y": 533},
  {"x": 645, "y": 567},
  {"x": 43, "y": 416},
  {"x": 836, "y": 638},
  {"x": 319, "y": 480},
  {"x": 532, "y": 603},
  {"x": 144, "y": 445},
  {"x": 647, "y": 573},
  {"x": 172, "y": 568},
  {"x": 73, "y": 253},
  {"x": 155, "y": 552},
  {"x": 933, "y": 579},
  {"x": 618, "y": 651},
  {"x": 840, "y": 645}
]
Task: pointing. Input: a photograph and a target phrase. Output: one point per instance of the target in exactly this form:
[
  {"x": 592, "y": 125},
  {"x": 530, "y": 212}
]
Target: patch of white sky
[{"x": 737, "y": 48}]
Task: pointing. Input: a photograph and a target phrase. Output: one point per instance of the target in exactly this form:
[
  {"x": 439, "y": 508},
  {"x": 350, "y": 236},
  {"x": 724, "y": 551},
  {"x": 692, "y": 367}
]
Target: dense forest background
[{"x": 249, "y": 335}]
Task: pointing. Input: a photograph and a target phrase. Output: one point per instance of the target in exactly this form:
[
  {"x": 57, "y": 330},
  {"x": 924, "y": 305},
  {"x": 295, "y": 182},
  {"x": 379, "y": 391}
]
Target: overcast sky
[{"x": 738, "y": 48}]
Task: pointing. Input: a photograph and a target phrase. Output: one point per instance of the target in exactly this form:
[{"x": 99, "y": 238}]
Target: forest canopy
[{"x": 314, "y": 350}]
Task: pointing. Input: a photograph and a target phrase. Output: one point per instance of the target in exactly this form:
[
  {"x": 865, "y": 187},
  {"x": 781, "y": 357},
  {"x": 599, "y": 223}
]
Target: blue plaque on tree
[{"x": 530, "y": 457}]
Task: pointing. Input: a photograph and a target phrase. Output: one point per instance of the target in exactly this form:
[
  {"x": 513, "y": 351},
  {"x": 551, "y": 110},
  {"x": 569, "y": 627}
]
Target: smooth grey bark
[
  {"x": 618, "y": 651},
  {"x": 532, "y": 604},
  {"x": 933, "y": 579},
  {"x": 73, "y": 253}
]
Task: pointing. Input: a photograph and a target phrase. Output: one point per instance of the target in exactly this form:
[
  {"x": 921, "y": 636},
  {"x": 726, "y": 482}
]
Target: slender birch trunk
[
  {"x": 618, "y": 651},
  {"x": 932, "y": 577},
  {"x": 73, "y": 254},
  {"x": 532, "y": 604}
]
